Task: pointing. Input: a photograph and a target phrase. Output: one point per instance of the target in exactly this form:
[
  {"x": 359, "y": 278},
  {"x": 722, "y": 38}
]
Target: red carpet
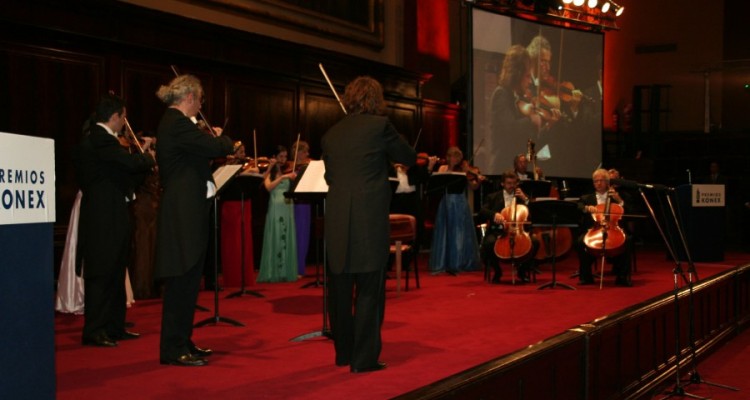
[{"x": 450, "y": 324}]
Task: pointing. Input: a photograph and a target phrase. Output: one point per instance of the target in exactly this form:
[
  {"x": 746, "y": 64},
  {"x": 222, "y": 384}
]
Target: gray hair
[{"x": 179, "y": 88}]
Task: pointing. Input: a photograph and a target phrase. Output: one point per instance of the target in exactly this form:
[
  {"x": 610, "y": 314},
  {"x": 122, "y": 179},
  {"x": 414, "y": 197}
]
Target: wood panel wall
[{"x": 57, "y": 58}]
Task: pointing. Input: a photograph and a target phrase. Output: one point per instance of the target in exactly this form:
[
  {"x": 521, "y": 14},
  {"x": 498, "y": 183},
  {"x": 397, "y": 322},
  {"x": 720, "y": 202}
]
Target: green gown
[{"x": 278, "y": 261}]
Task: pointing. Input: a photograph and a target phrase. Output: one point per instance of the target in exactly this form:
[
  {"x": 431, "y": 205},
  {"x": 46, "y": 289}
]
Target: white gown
[{"x": 69, "y": 297}]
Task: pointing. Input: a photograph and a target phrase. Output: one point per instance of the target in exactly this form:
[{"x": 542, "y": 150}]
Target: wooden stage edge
[{"x": 626, "y": 355}]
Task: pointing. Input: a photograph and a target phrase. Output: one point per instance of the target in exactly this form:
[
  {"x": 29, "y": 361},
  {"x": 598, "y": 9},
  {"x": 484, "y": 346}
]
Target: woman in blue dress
[
  {"x": 454, "y": 240},
  {"x": 278, "y": 261}
]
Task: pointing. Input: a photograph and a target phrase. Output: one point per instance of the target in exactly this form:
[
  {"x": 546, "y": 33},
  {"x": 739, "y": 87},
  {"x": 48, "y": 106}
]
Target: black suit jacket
[
  {"x": 183, "y": 223},
  {"x": 107, "y": 175},
  {"x": 357, "y": 152}
]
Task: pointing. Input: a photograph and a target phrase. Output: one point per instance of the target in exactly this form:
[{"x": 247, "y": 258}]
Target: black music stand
[
  {"x": 311, "y": 186},
  {"x": 222, "y": 176},
  {"x": 555, "y": 214},
  {"x": 446, "y": 182},
  {"x": 309, "y": 198},
  {"x": 243, "y": 186},
  {"x": 534, "y": 189}
]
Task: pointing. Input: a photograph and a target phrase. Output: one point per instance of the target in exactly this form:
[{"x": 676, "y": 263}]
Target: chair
[{"x": 404, "y": 238}]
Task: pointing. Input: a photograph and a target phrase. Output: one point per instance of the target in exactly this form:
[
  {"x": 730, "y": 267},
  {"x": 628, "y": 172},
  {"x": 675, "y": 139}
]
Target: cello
[
  {"x": 515, "y": 243},
  {"x": 605, "y": 238}
]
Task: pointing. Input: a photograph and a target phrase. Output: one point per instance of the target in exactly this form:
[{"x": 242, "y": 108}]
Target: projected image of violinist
[{"x": 540, "y": 83}]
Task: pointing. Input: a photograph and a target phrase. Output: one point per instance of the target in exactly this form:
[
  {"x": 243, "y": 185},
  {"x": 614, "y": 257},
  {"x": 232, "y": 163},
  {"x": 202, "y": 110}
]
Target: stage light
[
  {"x": 592, "y": 3},
  {"x": 618, "y": 8},
  {"x": 578, "y": 3},
  {"x": 567, "y": 1},
  {"x": 605, "y": 6}
]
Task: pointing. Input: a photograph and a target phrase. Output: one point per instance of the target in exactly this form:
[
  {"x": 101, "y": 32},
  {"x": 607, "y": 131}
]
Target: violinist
[
  {"x": 588, "y": 205},
  {"x": 546, "y": 88},
  {"x": 278, "y": 262},
  {"x": 454, "y": 241},
  {"x": 492, "y": 208},
  {"x": 183, "y": 222},
  {"x": 514, "y": 115},
  {"x": 107, "y": 174}
]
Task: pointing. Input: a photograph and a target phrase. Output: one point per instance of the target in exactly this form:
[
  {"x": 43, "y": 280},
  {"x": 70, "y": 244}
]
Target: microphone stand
[
  {"x": 695, "y": 377},
  {"x": 679, "y": 388}
]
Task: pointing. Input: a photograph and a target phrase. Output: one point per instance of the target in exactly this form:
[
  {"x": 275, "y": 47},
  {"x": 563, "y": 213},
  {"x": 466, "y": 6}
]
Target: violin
[
  {"x": 515, "y": 243},
  {"x": 606, "y": 238}
]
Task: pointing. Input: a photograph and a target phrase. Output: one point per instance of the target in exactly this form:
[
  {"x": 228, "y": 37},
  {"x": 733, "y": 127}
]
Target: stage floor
[{"x": 449, "y": 325}]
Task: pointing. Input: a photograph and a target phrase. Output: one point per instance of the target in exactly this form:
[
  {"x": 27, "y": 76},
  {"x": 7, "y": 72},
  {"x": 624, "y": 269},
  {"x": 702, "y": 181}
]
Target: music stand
[
  {"x": 308, "y": 198},
  {"x": 554, "y": 213},
  {"x": 446, "y": 182},
  {"x": 535, "y": 189},
  {"x": 312, "y": 186},
  {"x": 222, "y": 176},
  {"x": 243, "y": 186}
]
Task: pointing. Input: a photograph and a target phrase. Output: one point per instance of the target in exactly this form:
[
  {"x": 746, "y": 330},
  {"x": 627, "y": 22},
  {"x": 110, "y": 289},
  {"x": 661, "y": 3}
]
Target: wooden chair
[{"x": 404, "y": 239}]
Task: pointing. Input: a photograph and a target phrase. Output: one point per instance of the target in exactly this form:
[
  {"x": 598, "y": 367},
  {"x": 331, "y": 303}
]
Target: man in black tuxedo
[
  {"x": 357, "y": 152},
  {"x": 183, "y": 222},
  {"x": 108, "y": 175},
  {"x": 588, "y": 206},
  {"x": 491, "y": 210}
]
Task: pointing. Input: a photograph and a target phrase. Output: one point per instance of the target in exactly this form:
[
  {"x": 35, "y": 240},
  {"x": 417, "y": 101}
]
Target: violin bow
[
  {"x": 296, "y": 151},
  {"x": 325, "y": 75},
  {"x": 417, "y": 139},
  {"x": 129, "y": 130}
]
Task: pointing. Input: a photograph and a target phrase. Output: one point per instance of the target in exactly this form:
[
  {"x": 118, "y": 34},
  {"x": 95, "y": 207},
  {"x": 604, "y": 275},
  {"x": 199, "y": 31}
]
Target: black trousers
[
  {"x": 356, "y": 308},
  {"x": 104, "y": 304},
  {"x": 620, "y": 263},
  {"x": 180, "y": 297},
  {"x": 487, "y": 251}
]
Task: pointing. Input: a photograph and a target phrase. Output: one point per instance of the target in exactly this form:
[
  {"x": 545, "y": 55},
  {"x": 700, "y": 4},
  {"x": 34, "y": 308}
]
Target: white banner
[
  {"x": 708, "y": 196},
  {"x": 27, "y": 179}
]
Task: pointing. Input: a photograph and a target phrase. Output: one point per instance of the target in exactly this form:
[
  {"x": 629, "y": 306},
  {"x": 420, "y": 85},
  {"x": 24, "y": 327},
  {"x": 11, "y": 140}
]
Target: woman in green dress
[{"x": 278, "y": 261}]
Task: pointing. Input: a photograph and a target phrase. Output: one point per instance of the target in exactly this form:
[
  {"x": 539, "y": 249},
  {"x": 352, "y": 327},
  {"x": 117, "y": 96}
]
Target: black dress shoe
[
  {"x": 185, "y": 360},
  {"x": 129, "y": 324},
  {"x": 623, "y": 282},
  {"x": 342, "y": 363},
  {"x": 196, "y": 351},
  {"x": 100, "y": 340},
  {"x": 127, "y": 335},
  {"x": 377, "y": 367},
  {"x": 589, "y": 281}
]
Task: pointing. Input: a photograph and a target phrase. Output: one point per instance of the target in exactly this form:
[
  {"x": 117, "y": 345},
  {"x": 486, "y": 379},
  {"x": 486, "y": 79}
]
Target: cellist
[
  {"x": 491, "y": 211},
  {"x": 588, "y": 205}
]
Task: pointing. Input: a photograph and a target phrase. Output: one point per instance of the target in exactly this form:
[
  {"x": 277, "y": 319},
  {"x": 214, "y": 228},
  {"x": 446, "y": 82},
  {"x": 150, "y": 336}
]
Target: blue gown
[
  {"x": 278, "y": 261},
  {"x": 454, "y": 240}
]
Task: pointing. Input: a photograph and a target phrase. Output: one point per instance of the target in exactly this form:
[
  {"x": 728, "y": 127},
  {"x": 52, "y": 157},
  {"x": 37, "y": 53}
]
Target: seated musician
[
  {"x": 520, "y": 167},
  {"x": 491, "y": 210},
  {"x": 588, "y": 205}
]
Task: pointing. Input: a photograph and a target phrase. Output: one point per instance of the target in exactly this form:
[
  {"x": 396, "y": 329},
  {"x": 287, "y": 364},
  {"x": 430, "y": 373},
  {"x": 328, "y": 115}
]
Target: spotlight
[
  {"x": 592, "y": 3},
  {"x": 567, "y": 1},
  {"x": 618, "y": 8},
  {"x": 605, "y": 7},
  {"x": 578, "y": 3}
]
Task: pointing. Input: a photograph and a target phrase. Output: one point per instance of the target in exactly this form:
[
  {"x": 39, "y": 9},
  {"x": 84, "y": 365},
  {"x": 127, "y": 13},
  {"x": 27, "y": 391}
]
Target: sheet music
[
  {"x": 223, "y": 174},
  {"x": 313, "y": 180}
]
